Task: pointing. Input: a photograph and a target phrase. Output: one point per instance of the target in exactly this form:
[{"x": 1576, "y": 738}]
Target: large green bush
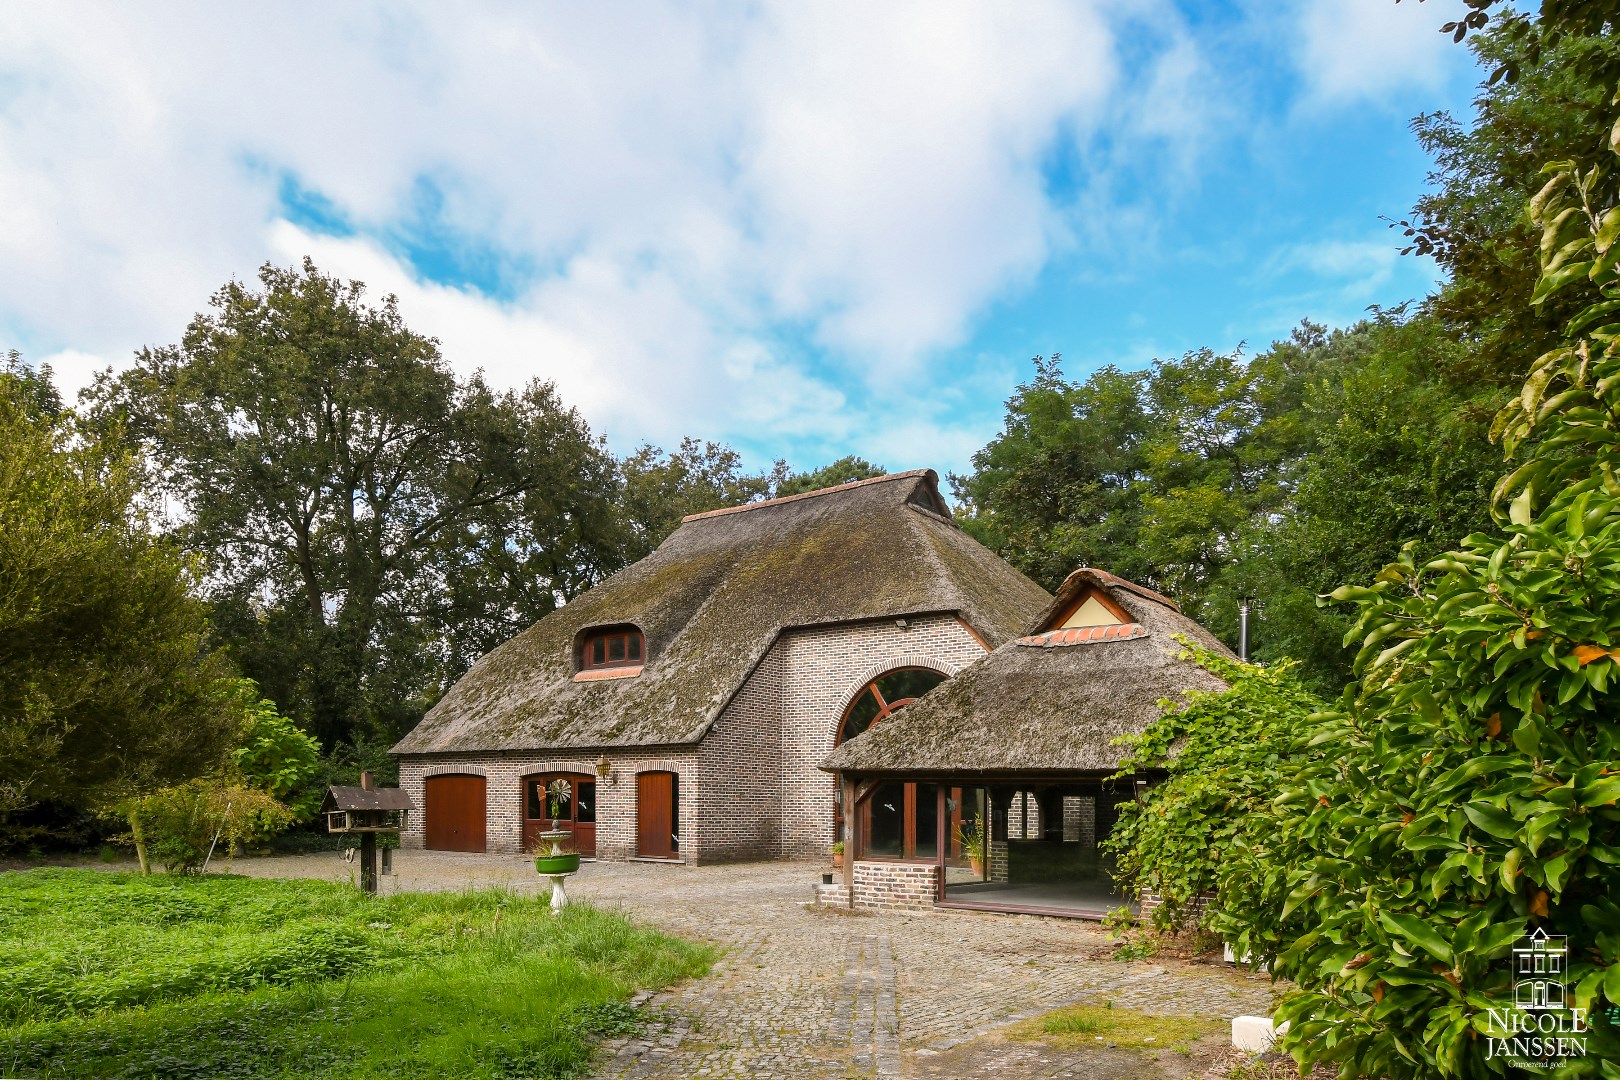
[
  {"x": 1227, "y": 754},
  {"x": 1466, "y": 787},
  {"x": 278, "y": 758}
]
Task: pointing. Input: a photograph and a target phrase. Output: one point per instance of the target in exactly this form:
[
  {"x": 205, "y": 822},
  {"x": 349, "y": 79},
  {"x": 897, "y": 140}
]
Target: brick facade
[
  {"x": 824, "y": 668},
  {"x": 503, "y": 794},
  {"x": 886, "y": 885},
  {"x": 751, "y": 788}
]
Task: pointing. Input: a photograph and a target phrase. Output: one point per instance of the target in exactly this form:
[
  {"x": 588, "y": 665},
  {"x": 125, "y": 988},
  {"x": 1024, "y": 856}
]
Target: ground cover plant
[
  {"x": 118, "y": 975},
  {"x": 1084, "y": 1027}
]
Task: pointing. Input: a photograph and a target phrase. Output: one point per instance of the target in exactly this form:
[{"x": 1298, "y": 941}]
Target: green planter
[{"x": 556, "y": 864}]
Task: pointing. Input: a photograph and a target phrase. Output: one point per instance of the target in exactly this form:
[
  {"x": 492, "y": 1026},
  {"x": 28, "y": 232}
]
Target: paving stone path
[{"x": 812, "y": 993}]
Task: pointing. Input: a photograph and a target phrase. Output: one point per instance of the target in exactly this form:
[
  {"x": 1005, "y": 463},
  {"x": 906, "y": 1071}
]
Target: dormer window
[
  {"x": 1095, "y": 608},
  {"x": 616, "y": 650}
]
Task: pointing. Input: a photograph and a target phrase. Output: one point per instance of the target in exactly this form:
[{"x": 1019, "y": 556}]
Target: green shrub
[
  {"x": 277, "y": 758},
  {"x": 183, "y": 826},
  {"x": 1467, "y": 789},
  {"x": 1227, "y": 754}
]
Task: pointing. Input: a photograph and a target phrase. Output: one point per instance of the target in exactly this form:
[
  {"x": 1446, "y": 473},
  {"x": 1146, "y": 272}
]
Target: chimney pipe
[
  {"x": 1243, "y": 631},
  {"x": 366, "y": 782}
]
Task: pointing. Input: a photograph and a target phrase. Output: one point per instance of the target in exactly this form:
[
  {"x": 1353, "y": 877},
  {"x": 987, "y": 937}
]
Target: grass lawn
[
  {"x": 1083, "y": 1027},
  {"x": 116, "y": 975}
]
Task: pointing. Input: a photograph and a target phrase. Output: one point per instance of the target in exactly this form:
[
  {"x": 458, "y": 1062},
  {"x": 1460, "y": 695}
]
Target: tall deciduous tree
[
  {"x": 371, "y": 523},
  {"x": 846, "y": 470},
  {"x": 658, "y": 489},
  {"x": 107, "y": 684}
]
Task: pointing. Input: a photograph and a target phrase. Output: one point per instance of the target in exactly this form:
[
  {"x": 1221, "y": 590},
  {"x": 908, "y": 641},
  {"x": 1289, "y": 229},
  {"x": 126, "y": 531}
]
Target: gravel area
[{"x": 807, "y": 992}]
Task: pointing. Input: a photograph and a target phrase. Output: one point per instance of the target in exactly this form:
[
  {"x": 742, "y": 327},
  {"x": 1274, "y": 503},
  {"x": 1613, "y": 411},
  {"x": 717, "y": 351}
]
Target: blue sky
[{"x": 805, "y": 230}]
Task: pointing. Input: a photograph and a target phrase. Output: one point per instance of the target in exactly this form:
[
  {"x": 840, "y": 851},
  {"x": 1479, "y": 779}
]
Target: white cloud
[
  {"x": 1360, "y": 50},
  {"x": 688, "y": 180}
]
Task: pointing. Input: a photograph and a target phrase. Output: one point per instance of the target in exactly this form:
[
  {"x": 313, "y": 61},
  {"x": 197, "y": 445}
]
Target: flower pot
[
  {"x": 977, "y": 866},
  {"x": 838, "y": 860},
  {"x": 556, "y": 864}
]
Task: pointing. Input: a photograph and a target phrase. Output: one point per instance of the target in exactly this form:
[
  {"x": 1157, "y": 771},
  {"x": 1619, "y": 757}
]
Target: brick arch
[
  {"x": 883, "y": 667},
  {"x": 661, "y": 765},
  {"x": 453, "y": 769},
  {"x": 556, "y": 765}
]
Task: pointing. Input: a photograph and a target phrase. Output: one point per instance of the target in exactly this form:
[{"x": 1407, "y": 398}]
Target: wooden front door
[
  {"x": 657, "y": 815},
  {"x": 575, "y": 814},
  {"x": 455, "y": 813}
]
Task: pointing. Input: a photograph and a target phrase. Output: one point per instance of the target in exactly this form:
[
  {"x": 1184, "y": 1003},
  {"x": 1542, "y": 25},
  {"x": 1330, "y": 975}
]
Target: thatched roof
[
  {"x": 712, "y": 599},
  {"x": 1053, "y": 700}
]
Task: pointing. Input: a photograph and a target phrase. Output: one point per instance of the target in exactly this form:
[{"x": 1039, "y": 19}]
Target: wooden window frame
[
  {"x": 1102, "y": 598},
  {"x": 630, "y": 639}
]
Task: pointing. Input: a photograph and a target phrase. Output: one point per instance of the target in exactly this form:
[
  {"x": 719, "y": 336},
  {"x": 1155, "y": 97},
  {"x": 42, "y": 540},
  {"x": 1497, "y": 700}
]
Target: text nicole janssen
[{"x": 1536, "y": 1036}]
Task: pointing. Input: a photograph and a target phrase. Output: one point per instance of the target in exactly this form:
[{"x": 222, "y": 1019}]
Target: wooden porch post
[{"x": 849, "y": 837}]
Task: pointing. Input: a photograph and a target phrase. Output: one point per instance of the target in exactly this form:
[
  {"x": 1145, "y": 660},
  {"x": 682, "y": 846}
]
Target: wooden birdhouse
[{"x": 367, "y": 810}]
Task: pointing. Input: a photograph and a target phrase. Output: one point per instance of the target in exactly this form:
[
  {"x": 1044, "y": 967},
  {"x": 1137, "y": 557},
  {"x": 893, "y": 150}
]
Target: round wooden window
[{"x": 883, "y": 695}]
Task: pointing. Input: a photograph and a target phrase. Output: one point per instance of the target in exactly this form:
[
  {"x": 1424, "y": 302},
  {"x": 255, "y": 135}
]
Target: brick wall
[
  {"x": 998, "y": 861},
  {"x": 1080, "y": 820},
  {"x": 895, "y": 885},
  {"x": 751, "y": 790},
  {"x": 823, "y": 669},
  {"x": 1193, "y": 912},
  {"x": 740, "y": 767},
  {"x": 503, "y": 796}
]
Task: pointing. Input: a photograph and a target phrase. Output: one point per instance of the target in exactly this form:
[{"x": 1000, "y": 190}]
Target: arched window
[{"x": 883, "y": 695}]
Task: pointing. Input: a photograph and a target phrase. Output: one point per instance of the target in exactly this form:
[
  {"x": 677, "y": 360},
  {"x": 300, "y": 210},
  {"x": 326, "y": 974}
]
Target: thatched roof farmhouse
[{"x": 845, "y": 664}]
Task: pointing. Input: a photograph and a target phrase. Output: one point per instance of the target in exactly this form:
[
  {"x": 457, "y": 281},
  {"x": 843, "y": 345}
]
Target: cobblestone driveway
[{"x": 803, "y": 992}]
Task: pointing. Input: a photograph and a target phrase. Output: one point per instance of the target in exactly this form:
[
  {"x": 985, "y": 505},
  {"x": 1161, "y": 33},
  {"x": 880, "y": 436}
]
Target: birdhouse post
[{"x": 367, "y": 810}]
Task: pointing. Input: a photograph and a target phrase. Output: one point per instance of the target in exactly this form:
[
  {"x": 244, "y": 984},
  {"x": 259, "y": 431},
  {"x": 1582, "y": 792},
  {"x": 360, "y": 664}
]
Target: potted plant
[
  {"x": 558, "y": 793},
  {"x": 969, "y": 837},
  {"x": 838, "y": 854},
  {"x": 556, "y": 859}
]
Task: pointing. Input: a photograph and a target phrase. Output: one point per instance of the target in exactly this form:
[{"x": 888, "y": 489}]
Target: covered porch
[{"x": 1026, "y": 844}]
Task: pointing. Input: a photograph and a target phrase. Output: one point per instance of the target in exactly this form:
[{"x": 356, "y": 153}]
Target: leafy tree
[
  {"x": 371, "y": 523},
  {"x": 1226, "y": 754},
  {"x": 658, "y": 489},
  {"x": 846, "y": 470},
  {"x": 277, "y": 758},
  {"x": 1373, "y": 452},
  {"x": 1468, "y": 786},
  {"x": 33, "y": 393},
  {"x": 107, "y": 683},
  {"x": 1057, "y": 487}
]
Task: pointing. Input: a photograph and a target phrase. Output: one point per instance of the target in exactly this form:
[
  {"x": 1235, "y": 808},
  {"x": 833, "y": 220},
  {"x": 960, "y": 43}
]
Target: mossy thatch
[
  {"x": 712, "y": 599},
  {"x": 1048, "y": 701}
]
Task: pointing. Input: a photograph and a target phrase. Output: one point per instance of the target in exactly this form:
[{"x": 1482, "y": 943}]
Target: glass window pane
[
  {"x": 927, "y": 822},
  {"x": 635, "y": 646},
  {"x": 887, "y": 834},
  {"x": 615, "y": 648},
  {"x": 901, "y": 685},
  {"x": 599, "y": 651},
  {"x": 585, "y": 801},
  {"x": 559, "y": 796},
  {"x": 860, "y": 717},
  {"x": 533, "y": 801}
]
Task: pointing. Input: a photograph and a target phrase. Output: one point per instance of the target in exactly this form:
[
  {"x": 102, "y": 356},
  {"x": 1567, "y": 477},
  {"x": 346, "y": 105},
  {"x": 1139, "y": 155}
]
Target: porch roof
[{"x": 1049, "y": 702}]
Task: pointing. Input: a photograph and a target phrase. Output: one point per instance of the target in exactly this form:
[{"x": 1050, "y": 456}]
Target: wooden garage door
[
  {"x": 657, "y": 823},
  {"x": 455, "y": 813}
]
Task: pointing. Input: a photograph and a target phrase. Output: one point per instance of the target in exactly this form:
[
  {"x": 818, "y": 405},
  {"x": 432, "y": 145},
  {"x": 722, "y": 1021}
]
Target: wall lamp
[{"x": 604, "y": 768}]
